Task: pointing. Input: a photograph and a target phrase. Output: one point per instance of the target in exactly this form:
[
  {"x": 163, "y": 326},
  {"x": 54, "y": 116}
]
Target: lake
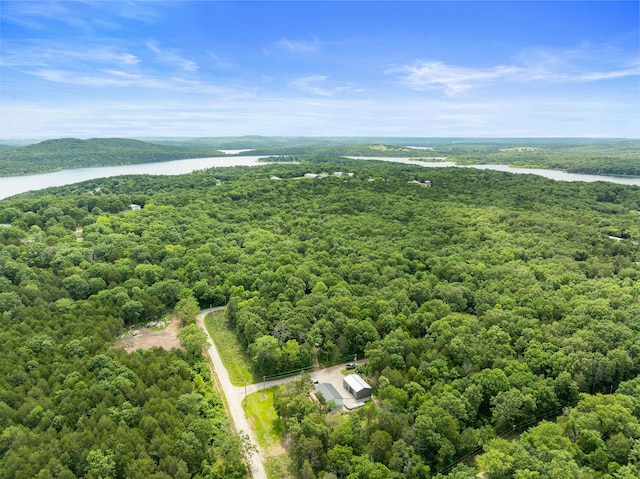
[
  {"x": 13, "y": 185},
  {"x": 551, "y": 174}
]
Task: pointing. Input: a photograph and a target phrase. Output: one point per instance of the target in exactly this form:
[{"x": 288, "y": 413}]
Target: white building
[{"x": 356, "y": 386}]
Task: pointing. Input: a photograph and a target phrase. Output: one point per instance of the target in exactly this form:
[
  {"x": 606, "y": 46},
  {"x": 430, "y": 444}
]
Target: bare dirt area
[{"x": 142, "y": 337}]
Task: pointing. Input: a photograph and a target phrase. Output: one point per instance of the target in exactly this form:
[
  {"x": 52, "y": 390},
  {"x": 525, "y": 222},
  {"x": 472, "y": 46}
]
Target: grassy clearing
[
  {"x": 233, "y": 357},
  {"x": 279, "y": 467},
  {"x": 264, "y": 420}
]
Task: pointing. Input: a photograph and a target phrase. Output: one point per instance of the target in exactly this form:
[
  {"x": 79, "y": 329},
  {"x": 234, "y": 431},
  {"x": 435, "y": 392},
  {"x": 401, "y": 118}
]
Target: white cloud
[
  {"x": 311, "y": 84},
  {"x": 317, "y": 84},
  {"x": 584, "y": 64},
  {"x": 31, "y": 14},
  {"x": 581, "y": 64},
  {"x": 54, "y": 56},
  {"x": 122, "y": 79},
  {"x": 172, "y": 57},
  {"x": 100, "y": 79},
  {"x": 103, "y": 54},
  {"x": 108, "y": 66},
  {"x": 426, "y": 75},
  {"x": 299, "y": 46},
  {"x": 82, "y": 15}
]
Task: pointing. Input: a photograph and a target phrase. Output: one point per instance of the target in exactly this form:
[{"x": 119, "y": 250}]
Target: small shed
[
  {"x": 135, "y": 207},
  {"x": 330, "y": 393},
  {"x": 356, "y": 386}
]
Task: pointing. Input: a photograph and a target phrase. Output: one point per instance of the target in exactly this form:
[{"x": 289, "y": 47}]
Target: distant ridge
[
  {"x": 256, "y": 141},
  {"x": 67, "y": 153}
]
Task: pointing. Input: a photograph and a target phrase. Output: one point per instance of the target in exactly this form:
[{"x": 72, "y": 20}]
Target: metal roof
[
  {"x": 356, "y": 382},
  {"x": 329, "y": 392}
]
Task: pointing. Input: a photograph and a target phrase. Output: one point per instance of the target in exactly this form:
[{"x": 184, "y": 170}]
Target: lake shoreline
[{"x": 14, "y": 185}]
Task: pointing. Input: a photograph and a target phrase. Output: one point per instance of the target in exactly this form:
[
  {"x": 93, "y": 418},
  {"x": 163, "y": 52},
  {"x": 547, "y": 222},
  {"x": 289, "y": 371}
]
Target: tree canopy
[{"x": 483, "y": 303}]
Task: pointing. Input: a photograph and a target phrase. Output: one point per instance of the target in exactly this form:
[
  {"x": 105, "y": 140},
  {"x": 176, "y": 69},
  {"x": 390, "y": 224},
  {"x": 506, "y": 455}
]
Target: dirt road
[{"x": 234, "y": 396}]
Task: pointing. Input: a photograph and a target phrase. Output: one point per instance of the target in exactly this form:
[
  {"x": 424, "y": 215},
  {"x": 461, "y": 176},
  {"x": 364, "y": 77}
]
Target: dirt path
[{"x": 234, "y": 396}]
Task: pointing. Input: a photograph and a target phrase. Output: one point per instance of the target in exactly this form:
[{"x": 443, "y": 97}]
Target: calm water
[
  {"x": 552, "y": 174},
  {"x": 13, "y": 185},
  {"x": 561, "y": 175}
]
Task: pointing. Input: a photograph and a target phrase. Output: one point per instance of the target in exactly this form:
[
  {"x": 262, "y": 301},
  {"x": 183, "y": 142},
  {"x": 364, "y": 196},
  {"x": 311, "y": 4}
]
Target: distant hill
[
  {"x": 67, "y": 153},
  {"x": 256, "y": 141},
  {"x": 260, "y": 142}
]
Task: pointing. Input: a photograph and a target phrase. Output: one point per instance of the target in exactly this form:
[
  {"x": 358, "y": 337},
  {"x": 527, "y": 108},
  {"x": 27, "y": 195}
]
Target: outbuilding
[
  {"x": 331, "y": 394},
  {"x": 356, "y": 386}
]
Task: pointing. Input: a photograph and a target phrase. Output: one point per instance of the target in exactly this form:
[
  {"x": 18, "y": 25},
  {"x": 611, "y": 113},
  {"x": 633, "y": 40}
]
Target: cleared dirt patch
[{"x": 142, "y": 337}]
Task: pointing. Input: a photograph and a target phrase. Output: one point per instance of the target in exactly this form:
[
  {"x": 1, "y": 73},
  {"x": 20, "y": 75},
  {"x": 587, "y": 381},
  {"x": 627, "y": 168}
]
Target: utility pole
[
  {"x": 245, "y": 388},
  {"x": 264, "y": 383}
]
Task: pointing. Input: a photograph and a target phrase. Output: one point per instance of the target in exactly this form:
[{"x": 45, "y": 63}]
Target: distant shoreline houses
[
  {"x": 324, "y": 174},
  {"x": 424, "y": 184}
]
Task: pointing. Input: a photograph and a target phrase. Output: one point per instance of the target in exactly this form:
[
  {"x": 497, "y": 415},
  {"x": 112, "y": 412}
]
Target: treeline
[
  {"x": 380, "y": 150},
  {"x": 483, "y": 302},
  {"x": 255, "y": 141},
  {"x": 615, "y": 157},
  {"x": 597, "y": 438},
  {"x": 65, "y": 153}
]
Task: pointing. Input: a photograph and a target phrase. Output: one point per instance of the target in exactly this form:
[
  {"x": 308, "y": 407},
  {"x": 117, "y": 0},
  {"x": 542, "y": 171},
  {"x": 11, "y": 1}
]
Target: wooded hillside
[{"x": 64, "y": 153}]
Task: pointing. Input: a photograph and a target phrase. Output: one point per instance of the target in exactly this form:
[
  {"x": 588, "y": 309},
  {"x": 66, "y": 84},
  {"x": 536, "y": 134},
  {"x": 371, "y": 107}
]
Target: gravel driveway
[{"x": 234, "y": 397}]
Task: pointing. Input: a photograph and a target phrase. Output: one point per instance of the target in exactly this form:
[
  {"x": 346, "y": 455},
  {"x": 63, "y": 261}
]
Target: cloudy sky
[{"x": 472, "y": 69}]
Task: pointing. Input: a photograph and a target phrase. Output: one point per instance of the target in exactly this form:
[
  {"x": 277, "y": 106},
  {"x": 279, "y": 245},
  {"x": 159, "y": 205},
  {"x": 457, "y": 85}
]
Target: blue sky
[{"x": 427, "y": 69}]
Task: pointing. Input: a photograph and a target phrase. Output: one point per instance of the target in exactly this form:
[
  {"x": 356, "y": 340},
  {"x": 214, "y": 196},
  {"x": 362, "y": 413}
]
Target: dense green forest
[
  {"x": 483, "y": 304},
  {"x": 52, "y": 155}
]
